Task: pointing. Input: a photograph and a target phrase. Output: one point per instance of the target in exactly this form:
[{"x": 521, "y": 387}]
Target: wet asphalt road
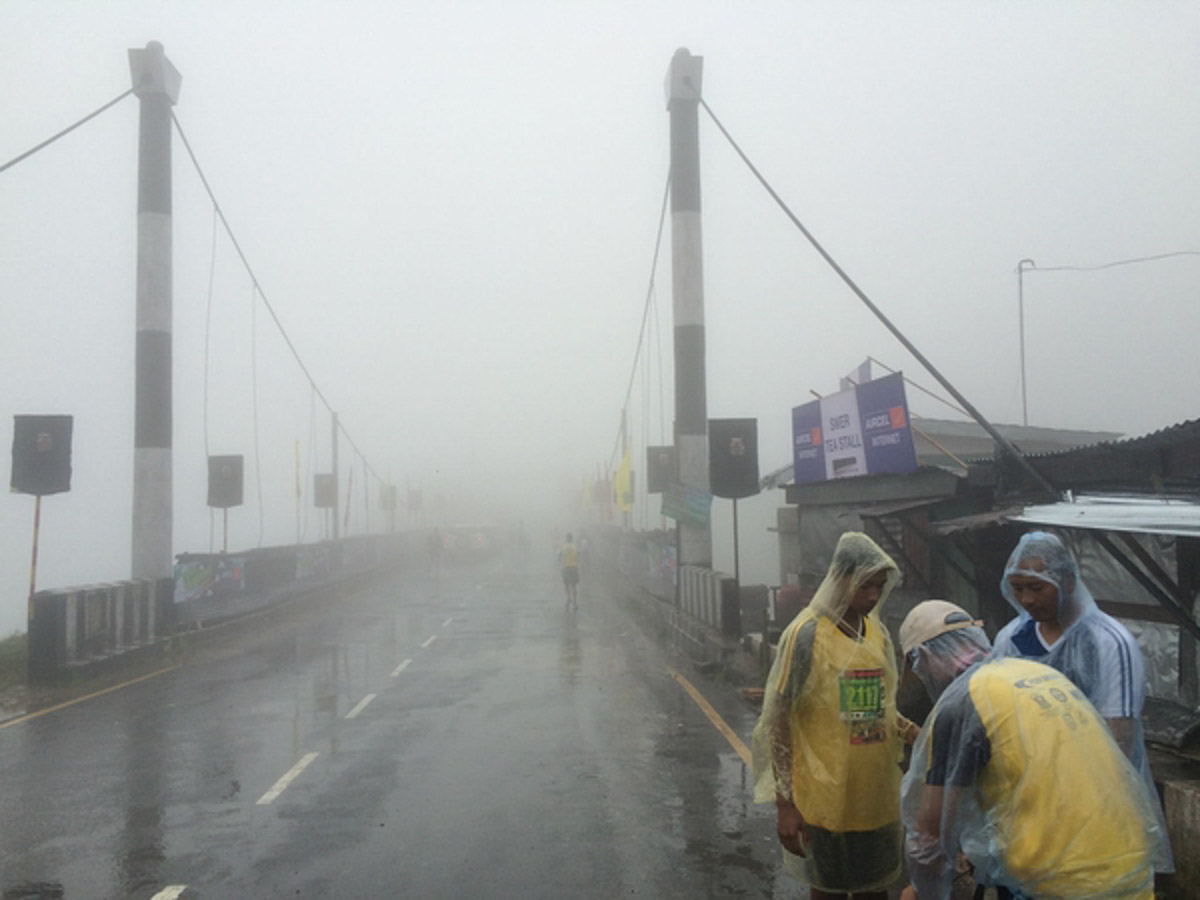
[{"x": 449, "y": 735}]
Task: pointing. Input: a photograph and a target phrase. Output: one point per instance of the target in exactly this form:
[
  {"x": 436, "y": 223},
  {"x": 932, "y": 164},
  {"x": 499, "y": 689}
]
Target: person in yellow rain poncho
[
  {"x": 1015, "y": 770},
  {"x": 568, "y": 558},
  {"x": 826, "y": 749}
]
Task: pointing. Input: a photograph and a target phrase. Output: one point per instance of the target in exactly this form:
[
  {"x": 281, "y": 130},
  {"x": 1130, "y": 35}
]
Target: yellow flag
[{"x": 623, "y": 484}]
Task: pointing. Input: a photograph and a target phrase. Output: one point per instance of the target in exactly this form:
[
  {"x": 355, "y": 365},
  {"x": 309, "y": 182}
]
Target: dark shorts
[
  {"x": 570, "y": 574},
  {"x": 844, "y": 861}
]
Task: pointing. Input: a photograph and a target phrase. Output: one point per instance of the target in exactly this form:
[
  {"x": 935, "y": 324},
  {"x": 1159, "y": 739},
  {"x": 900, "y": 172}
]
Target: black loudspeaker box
[
  {"x": 660, "y": 468},
  {"x": 733, "y": 458},
  {"x": 225, "y": 481},
  {"x": 41, "y": 454}
]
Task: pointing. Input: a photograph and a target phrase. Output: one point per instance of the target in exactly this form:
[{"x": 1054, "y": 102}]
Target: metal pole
[
  {"x": 334, "y": 510},
  {"x": 737, "y": 571},
  {"x": 1021, "y": 327},
  {"x": 687, "y": 290},
  {"x": 626, "y": 514},
  {"x": 298, "y": 494},
  {"x": 156, "y": 84},
  {"x": 37, "y": 524}
]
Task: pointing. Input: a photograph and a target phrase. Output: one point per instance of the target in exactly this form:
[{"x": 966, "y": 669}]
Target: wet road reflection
[{"x": 450, "y": 733}]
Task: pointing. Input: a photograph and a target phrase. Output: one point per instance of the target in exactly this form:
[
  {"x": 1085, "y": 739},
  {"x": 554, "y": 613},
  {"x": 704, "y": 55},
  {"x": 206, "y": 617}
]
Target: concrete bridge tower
[
  {"x": 156, "y": 84},
  {"x": 687, "y": 291}
]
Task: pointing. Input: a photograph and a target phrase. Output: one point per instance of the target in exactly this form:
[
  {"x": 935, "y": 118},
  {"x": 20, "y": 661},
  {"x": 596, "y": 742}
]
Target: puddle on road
[{"x": 41, "y": 890}]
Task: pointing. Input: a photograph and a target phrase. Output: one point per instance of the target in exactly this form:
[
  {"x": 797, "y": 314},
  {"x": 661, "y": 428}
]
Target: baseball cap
[{"x": 928, "y": 619}]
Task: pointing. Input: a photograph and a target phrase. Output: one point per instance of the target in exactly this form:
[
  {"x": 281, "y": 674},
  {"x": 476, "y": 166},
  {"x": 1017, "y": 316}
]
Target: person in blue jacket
[{"x": 1059, "y": 624}]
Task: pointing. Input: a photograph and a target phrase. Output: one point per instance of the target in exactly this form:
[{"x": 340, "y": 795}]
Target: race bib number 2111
[{"x": 861, "y": 702}]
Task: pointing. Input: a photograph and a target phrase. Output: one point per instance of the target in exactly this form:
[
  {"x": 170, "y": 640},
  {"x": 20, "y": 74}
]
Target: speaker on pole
[
  {"x": 225, "y": 481},
  {"x": 660, "y": 469},
  {"x": 733, "y": 457},
  {"x": 41, "y": 454}
]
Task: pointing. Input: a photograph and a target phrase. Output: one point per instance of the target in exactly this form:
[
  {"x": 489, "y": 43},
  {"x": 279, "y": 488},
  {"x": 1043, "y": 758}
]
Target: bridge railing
[
  {"x": 647, "y": 560},
  {"x": 78, "y": 628},
  {"x": 73, "y": 625},
  {"x": 711, "y": 597}
]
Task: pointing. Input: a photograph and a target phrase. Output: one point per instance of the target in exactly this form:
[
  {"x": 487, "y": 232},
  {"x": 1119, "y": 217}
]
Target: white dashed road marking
[
  {"x": 400, "y": 668},
  {"x": 429, "y": 640},
  {"x": 362, "y": 704},
  {"x": 292, "y": 774},
  {"x": 170, "y": 892}
]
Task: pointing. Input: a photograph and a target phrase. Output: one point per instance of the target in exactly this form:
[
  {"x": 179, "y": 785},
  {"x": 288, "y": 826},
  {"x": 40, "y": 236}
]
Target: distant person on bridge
[
  {"x": 1059, "y": 624},
  {"x": 826, "y": 747},
  {"x": 568, "y": 558},
  {"x": 1015, "y": 770},
  {"x": 584, "y": 552}
]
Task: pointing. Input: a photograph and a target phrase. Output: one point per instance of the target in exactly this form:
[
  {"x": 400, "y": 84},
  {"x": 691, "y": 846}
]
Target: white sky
[{"x": 452, "y": 207}]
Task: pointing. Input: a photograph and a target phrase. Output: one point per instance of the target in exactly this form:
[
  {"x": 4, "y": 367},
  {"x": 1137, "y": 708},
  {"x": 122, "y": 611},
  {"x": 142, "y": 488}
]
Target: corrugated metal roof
[
  {"x": 1163, "y": 463},
  {"x": 882, "y": 510},
  {"x": 1170, "y": 436},
  {"x": 776, "y": 479},
  {"x": 1137, "y": 515},
  {"x": 975, "y": 521}
]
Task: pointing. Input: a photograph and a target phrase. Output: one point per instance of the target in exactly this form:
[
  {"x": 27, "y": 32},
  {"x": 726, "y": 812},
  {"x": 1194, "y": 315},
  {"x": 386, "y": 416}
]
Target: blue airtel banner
[{"x": 862, "y": 431}]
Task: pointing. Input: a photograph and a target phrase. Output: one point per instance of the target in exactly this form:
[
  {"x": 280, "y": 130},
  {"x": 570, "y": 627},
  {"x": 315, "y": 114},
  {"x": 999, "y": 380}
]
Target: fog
[{"x": 452, "y": 209}]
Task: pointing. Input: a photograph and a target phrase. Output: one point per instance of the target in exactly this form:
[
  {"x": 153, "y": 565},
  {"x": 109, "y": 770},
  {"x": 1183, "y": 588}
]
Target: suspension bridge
[{"x": 323, "y": 706}]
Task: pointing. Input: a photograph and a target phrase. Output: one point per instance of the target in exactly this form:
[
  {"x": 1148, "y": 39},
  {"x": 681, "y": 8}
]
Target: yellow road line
[
  {"x": 92, "y": 696},
  {"x": 713, "y": 716}
]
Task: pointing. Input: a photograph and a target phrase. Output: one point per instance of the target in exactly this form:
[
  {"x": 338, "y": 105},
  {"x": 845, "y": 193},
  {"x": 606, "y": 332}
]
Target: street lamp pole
[{"x": 1021, "y": 266}]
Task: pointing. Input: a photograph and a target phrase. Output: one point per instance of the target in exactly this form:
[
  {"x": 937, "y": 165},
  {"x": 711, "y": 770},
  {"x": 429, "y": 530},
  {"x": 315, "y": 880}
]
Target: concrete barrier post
[
  {"x": 72, "y": 627},
  {"x": 45, "y": 639},
  {"x": 731, "y": 607},
  {"x": 120, "y": 595},
  {"x": 110, "y": 619},
  {"x": 94, "y": 636},
  {"x": 138, "y": 631}
]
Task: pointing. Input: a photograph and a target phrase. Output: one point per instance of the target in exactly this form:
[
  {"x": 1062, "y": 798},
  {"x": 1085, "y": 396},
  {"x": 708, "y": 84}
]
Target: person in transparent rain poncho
[
  {"x": 1015, "y": 771},
  {"x": 826, "y": 749},
  {"x": 1059, "y": 624}
]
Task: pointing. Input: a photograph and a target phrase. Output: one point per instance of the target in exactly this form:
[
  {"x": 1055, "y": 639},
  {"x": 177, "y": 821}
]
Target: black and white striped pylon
[
  {"x": 156, "y": 84},
  {"x": 687, "y": 292}
]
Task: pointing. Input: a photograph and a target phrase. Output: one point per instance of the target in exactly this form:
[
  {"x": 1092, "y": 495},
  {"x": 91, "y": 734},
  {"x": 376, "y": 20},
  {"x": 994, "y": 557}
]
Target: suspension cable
[
  {"x": 261, "y": 293},
  {"x": 50, "y": 140},
  {"x": 212, "y": 267},
  {"x": 987, "y": 426},
  {"x": 662, "y": 406},
  {"x": 254, "y": 407},
  {"x": 921, "y": 388},
  {"x": 662, "y": 218}
]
